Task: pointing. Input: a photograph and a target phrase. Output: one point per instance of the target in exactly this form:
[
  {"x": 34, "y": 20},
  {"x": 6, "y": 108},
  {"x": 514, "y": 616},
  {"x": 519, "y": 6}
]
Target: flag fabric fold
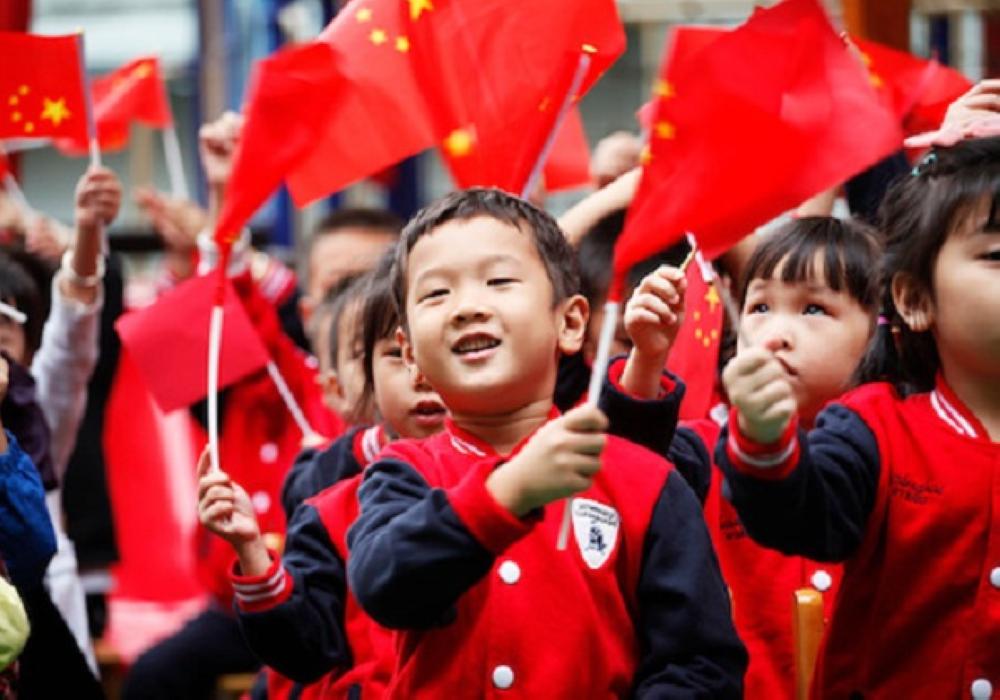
[{"x": 761, "y": 119}]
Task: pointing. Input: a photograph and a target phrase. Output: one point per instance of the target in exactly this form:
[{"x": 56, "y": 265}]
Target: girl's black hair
[
  {"x": 20, "y": 286},
  {"x": 340, "y": 296},
  {"x": 917, "y": 216},
  {"x": 850, "y": 251},
  {"x": 379, "y": 317}
]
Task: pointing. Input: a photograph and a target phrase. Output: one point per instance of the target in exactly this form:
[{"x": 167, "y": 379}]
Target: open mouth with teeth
[
  {"x": 428, "y": 412},
  {"x": 475, "y": 345}
]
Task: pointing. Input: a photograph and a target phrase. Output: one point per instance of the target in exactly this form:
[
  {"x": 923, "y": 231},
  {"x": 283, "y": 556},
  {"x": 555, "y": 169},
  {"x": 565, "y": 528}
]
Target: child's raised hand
[
  {"x": 217, "y": 142},
  {"x": 981, "y": 101},
  {"x": 98, "y": 198},
  {"x": 224, "y": 506},
  {"x": 558, "y": 461},
  {"x": 654, "y": 313},
  {"x": 758, "y": 386}
]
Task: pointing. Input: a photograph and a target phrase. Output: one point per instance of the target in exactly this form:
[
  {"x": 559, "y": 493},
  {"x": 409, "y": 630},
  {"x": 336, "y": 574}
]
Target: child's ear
[
  {"x": 407, "y": 349},
  {"x": 572, "y": 324},
  {"x": 913, "y": 302},
  {"x": 333, "y": 390}
]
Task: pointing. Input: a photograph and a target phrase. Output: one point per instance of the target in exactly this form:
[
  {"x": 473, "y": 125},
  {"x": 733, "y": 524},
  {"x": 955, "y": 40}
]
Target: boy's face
[
  {"x": 405, "y": 401},
  {"x": 482, "y": 326},
  {"x": 820, "y": 334}
]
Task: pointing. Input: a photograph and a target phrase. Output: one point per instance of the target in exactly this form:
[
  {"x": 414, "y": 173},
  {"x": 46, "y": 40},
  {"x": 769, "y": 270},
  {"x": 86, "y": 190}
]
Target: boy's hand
[
  {"x": 758, "y": 386},
  {"x": 98, "y": 198},
  {"x": 217, "y": 142},
  {"x": 558, "y": 461},
  {"x": 653, "y": 316}
]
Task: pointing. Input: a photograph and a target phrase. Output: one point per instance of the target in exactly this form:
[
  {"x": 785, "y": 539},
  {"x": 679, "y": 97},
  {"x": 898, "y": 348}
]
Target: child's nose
[
  {"x": 469, "y": 309},
  {"x": 777, "y": 335}
]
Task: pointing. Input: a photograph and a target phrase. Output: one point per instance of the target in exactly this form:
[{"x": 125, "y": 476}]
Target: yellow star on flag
[
  {"x": 875, "y": 80},
  {"x": 402, "y": 44},
  {"x": 418, "y": 7},
  {"x": 663, "y": 88},
  {"x": 55, "y": 110},
  {"x": 364, "y": 14},
  {"x": 665, "y": 130},
  {"x": 544, "y": 104},
  {"x": 459, "y": 143},
  {"x": 712, "y": 297},
  {"x": 378, "y": 37},
  {"x": 29, "y": 127},
  {"x": 12, "y": 100},
  {"x": 143, "y": 70},
  {"x": 646, "y": 156}
]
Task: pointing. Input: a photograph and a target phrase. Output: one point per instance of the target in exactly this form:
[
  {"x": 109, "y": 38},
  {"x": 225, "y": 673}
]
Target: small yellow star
[
  {"x": 665, "y": 130},
  {"x": 697, "y": 315},
  {"x": 875, "y": 80},
  {"x": 545, "y": 104},
  {"x": 15, "y": 117},
  {"x": 55, "y": 110},
  {"x": 646, "y": 156},
  {"x": 23, "y": 90},
  {"x": 588, "y": 48},
  {"x": 698, "y": 333},
  {"x": 459, "y": 143},
  {"x": 143, "y": 70},
  {"x": 378, "y": 37},
  {"x": 363, "y": 14},
  {"x": 663, "y": 88},
  {"x": 418, "y": 7},
  {"x": 12, "y": 100},
  {"x": 712, "y": 297},
  {"x": 402, "y": 44},
  {"x": 29, "y": 127},
  {"x": 706, "y": 342}
]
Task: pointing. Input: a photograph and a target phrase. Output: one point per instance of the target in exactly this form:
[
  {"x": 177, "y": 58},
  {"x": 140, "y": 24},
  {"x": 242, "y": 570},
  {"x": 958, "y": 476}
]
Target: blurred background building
[{"x": 208, "y": 46}]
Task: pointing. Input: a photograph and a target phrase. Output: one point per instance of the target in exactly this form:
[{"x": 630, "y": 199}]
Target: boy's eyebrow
[{"x": 484, "y": 263}]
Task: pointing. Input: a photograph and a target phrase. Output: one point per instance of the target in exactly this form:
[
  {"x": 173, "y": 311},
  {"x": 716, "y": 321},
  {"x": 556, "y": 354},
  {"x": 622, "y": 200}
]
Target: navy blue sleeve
[
  {"x": 316, "y": 470},
  {"x": 27, "y": 541},
  {"x": 302, "y": 636},
  {"x": 411, "y": 556},
  {"x": 688, "y": 644},
  {"x": 652, "y": 423},
  {"x": 821, "y": 508}
]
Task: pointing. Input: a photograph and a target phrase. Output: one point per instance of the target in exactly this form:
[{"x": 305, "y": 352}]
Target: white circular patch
[
  {"x": 503, "y": 677},
  {"x": 261, "y": 501},
  {"x": 268, "y": 453},
  {"x": 510, "y": 572},
  {"x": 821, "y": 581}
]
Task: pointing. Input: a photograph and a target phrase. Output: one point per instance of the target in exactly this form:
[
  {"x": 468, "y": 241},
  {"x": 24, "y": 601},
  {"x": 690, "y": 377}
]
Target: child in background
[
  {"x": 339, "y": 362},
  {"x": 897, "y": 479},
  {"x": 455, "y": 543},
  {"x": 295, "y": 611},
  {"x": 808, "y": 290}
]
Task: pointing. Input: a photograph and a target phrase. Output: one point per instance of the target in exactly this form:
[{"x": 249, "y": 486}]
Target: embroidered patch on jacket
[{"x": 595, "y": 527}]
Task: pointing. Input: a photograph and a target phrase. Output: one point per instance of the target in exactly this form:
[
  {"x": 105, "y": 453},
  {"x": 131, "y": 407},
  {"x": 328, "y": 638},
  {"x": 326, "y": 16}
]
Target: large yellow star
[
  {"x": 418, "y": 7},
  {"x": 55, "y": 110},
  {"x": 459, "y": 143}
]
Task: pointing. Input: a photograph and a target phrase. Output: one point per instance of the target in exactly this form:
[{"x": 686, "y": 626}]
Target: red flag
[
  {"x": 765, "y": 117},
  {"x": 167, "y": 342},
  {"x": 289, "y": 100},
  {"x": 41, "y": 87},
  {"x": 694, "y": 356},
  {"x": 464, "y": 73},
  {"x": 134, "y": 92},
  {"x": 568, "y": 164}
]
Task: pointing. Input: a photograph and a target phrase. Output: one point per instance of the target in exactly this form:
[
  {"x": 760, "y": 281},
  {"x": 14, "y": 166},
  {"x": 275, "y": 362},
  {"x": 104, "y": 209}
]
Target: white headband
[{"x": 12, "y": 313}]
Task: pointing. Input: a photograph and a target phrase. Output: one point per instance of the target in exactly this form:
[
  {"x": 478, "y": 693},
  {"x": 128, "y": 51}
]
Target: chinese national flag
[
  {"x": 460, "y": 72},
  {"x": 41, "y": 87},
  {"x": 167, "y": 342},
  {"x": 568, "y": 164},
  {"x": 920, "y": 90},
  {"x": 290, "y": 97},
  {"x": 694, "y": 356},
  {"x": 134, "y": 92},
  {"x": 763, "y": 118}
]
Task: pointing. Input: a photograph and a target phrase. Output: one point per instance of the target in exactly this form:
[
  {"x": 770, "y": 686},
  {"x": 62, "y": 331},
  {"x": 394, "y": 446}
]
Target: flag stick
[
  {"x": 582, "y": 66},
  {"x": 214, "y": 350},
  {"x": 597, "y": 372},
  {"x": 290, "y": 403},
  {"x": 710, "y": 276},
  {"x": 95, "y": 147},
  {"x": 175, "y": 165}
]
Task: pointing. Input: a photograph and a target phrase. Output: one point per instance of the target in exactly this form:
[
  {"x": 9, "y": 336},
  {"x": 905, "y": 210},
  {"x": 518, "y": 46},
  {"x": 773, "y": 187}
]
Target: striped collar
[
  {"x": 465, "y": 443},
  {"x": 368, "y": 443},
  {"x": 950, "y": 410}
]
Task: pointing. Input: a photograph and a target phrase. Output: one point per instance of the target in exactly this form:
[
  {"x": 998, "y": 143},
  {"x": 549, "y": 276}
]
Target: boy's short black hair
[
  {"x": 596, "y": 252},
  {"x": 550, "y": 242},
  {"x": 851, "y": 253},
  {"x": 358, "y": 217},
  {"x": 20, "y": 288}
]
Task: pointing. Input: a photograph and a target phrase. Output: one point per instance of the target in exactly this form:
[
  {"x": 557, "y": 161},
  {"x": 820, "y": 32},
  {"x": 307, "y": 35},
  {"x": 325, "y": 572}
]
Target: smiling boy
[{"x": 455, "y": 544}]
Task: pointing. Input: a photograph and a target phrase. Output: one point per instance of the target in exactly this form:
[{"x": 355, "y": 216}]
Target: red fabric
[
  {"x": 694, "y": 356},
  {"x": 771, "y": 462},
  {"x": 584, "y": 614},
  {"x": 917, "y": 594},
  {"x": 616, "y": 368},
  {"x": 762, "y": 583},
  {"x": 169, "y": 342},
  {"x": 422, "y": 71},
  {"x": 134, "y": 92},
  {"x": 289, "y": 101},
  {"x": 764, "y": 117},
  {"x": 41, "y": 87},
  {"x": 568, "y": 164}
]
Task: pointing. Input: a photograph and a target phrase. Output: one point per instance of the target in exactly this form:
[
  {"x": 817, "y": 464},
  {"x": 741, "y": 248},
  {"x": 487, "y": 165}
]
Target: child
[
  {"x": 808, "y": 288},
  {"x": 897, "y": 478},
  {"x": 303, "y": 623},
  {"x": 455, "y": 543}
]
